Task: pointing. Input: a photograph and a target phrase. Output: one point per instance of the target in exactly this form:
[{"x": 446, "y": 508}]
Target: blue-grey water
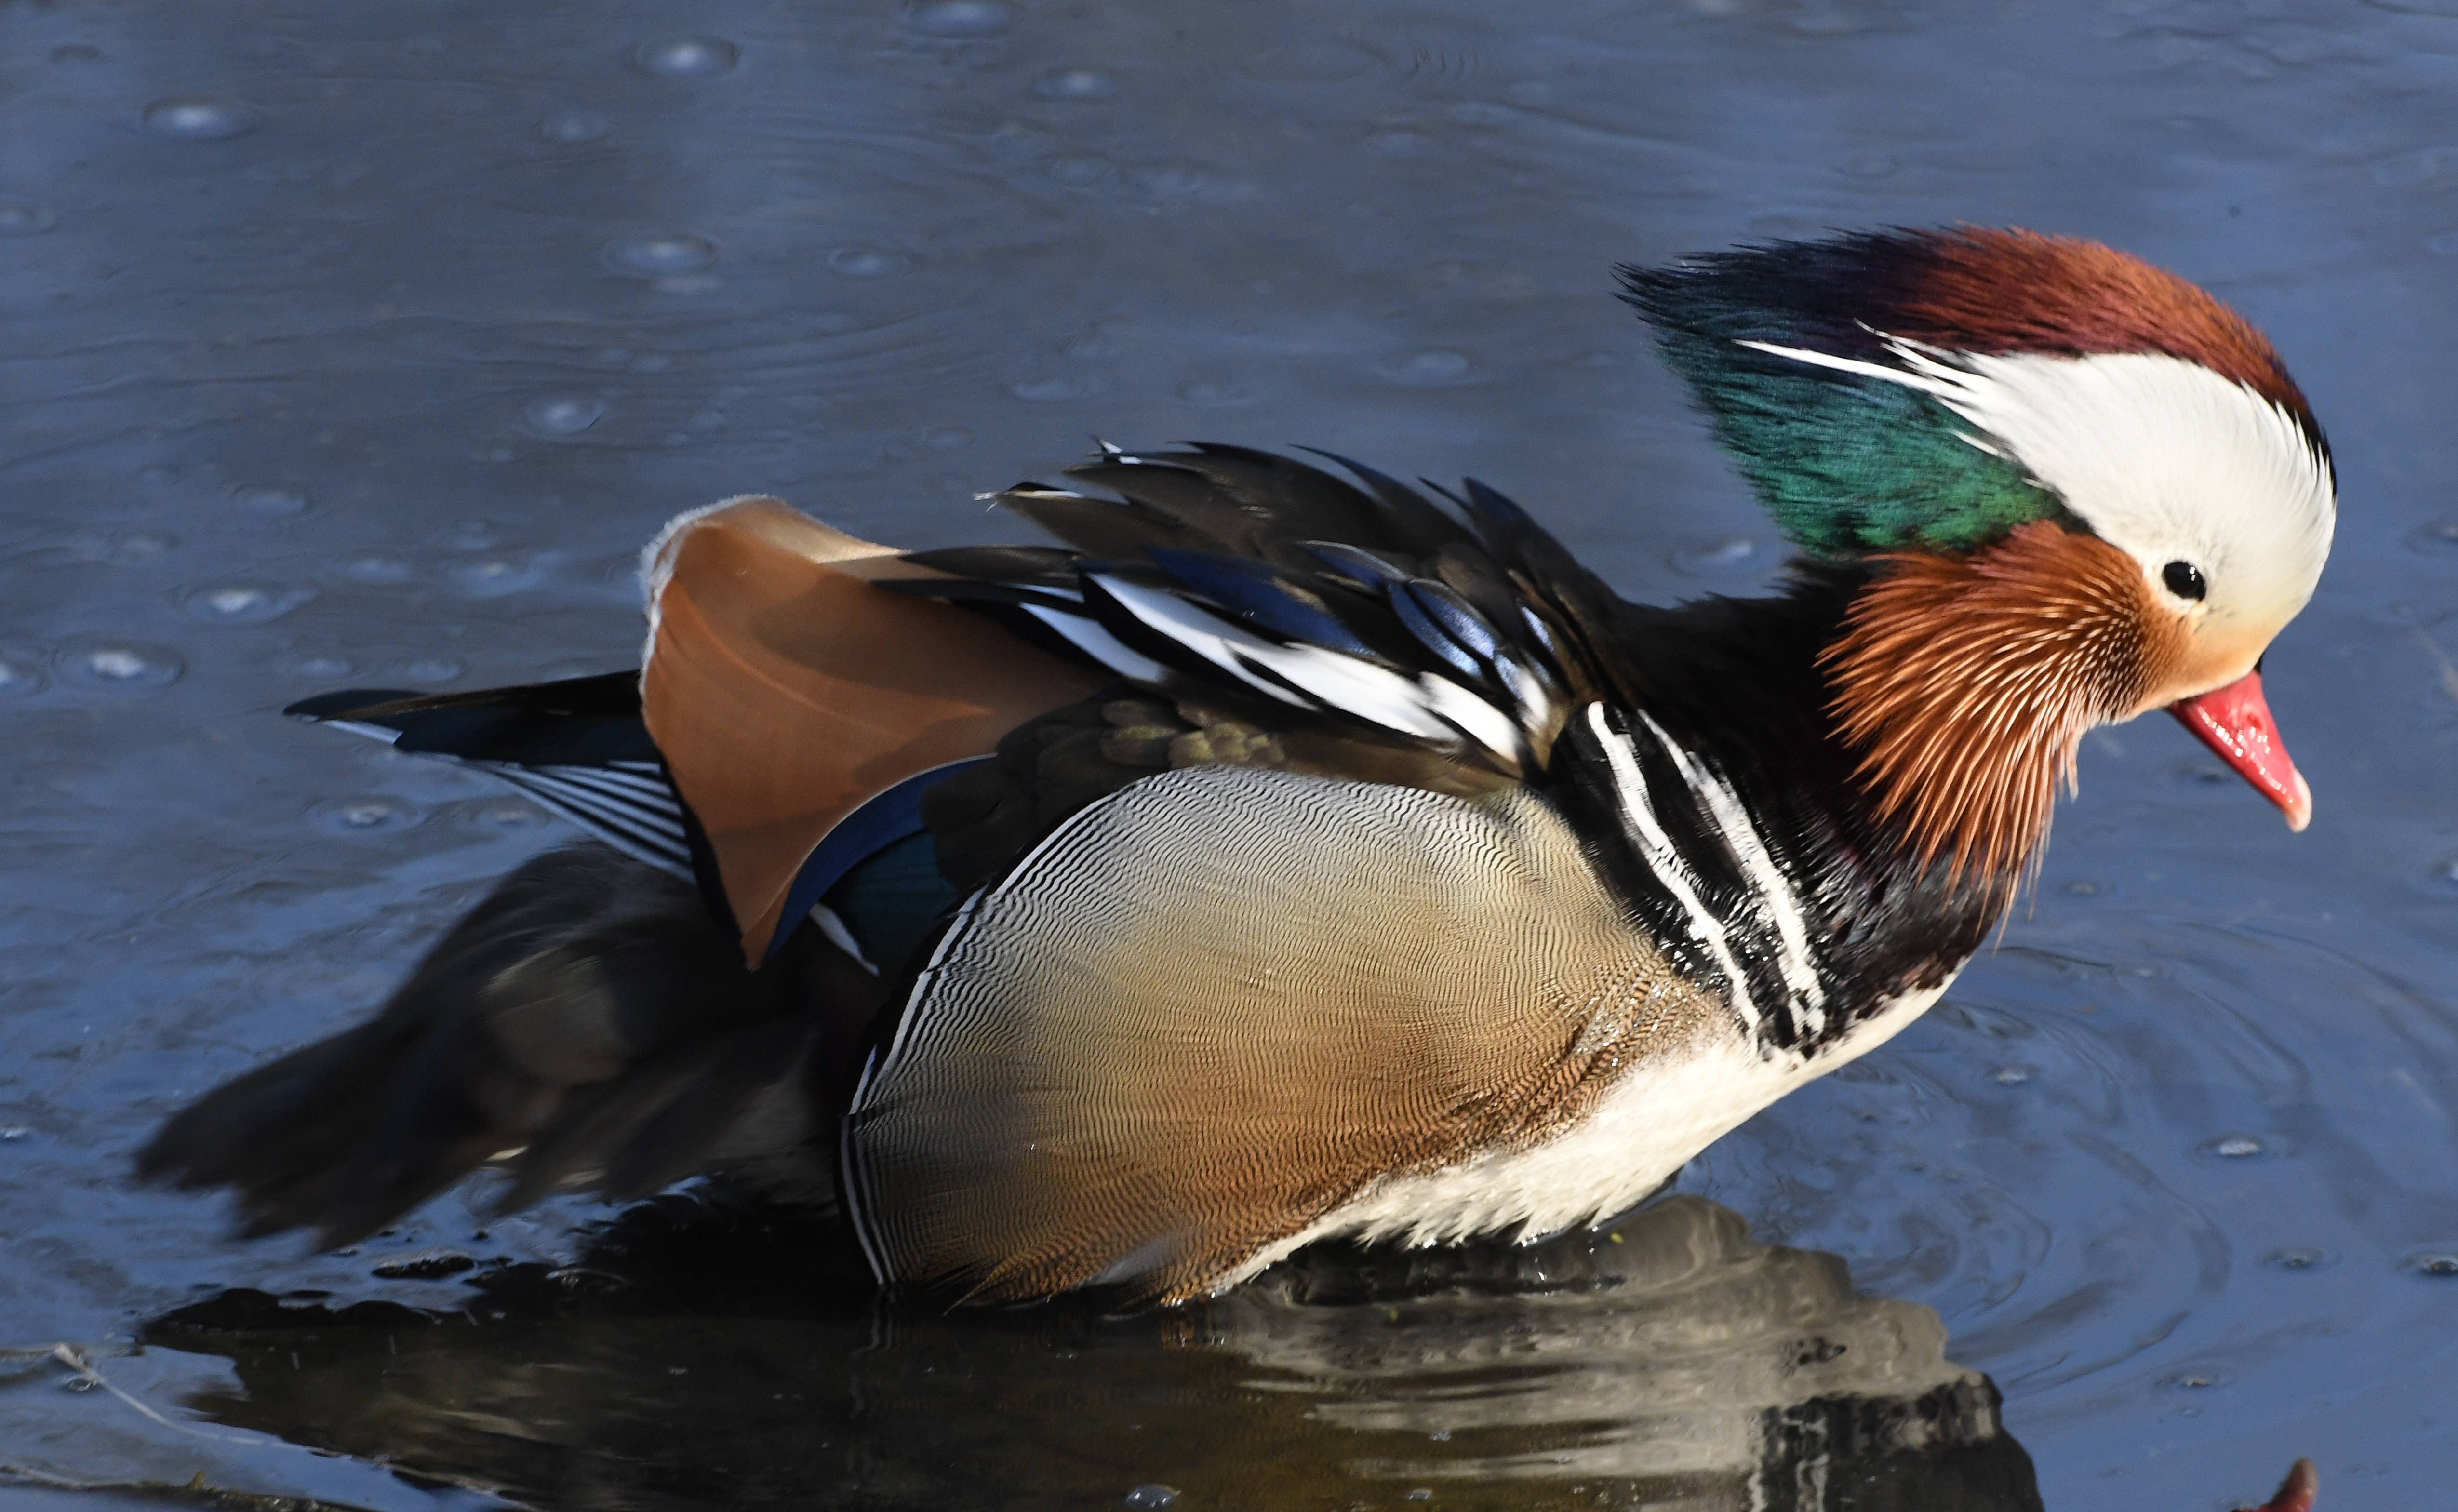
[{"x": 364, "y": 344}]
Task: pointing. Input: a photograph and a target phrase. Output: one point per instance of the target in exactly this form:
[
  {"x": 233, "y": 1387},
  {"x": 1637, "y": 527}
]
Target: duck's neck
[{"x": 1732, "y": 821}]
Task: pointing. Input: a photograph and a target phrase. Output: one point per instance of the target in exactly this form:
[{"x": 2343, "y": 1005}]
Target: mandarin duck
[{"x": 1297, "y": 853}]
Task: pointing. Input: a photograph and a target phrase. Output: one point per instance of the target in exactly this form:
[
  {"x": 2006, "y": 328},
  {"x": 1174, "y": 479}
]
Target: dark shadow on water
[{"x": 702, "y": 1353}]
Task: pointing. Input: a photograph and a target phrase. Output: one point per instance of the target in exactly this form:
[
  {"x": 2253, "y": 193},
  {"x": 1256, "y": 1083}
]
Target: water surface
[{"x": 365, "y": 344}]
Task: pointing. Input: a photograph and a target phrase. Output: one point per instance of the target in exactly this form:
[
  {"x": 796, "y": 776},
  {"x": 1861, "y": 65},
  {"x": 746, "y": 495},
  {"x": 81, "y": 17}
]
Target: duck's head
[{"x": 2088, "y": 489}]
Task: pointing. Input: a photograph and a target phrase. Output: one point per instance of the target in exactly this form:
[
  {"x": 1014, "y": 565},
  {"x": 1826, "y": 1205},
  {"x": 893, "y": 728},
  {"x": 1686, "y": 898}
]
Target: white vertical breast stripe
[
  {"x": 1742, "y": 840},
  {"x": 1656, "y": 849}
]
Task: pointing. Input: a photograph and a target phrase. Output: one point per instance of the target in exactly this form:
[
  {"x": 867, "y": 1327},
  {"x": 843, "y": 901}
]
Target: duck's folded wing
[
  {"x": 1215, "y": 1008},
  {"x": 1301, "y": 603}
]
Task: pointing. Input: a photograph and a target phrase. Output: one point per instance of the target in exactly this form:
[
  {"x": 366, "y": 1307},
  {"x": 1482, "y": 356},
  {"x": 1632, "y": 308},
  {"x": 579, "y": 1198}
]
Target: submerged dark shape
[{"x": 1295, "y": 856}]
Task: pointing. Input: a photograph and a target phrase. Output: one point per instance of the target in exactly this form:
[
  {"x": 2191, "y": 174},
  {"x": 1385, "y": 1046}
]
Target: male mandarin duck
[{"x": 1292, "y": 856}]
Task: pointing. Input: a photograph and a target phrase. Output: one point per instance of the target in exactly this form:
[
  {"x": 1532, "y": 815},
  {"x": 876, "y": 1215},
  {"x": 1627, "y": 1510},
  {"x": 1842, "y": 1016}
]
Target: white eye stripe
[{"x": 2161, "y": 457}]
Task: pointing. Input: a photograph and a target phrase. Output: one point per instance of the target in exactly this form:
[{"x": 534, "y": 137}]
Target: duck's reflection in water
[{"x": 1665, "y": 1361}]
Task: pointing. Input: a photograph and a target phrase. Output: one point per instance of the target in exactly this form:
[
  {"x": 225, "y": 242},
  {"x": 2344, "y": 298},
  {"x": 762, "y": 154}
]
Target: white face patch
[{"x": 2161, "y": 457}]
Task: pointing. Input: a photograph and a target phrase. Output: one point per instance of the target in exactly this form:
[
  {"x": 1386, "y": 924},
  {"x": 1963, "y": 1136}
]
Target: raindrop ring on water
[
  {"x": 199, "y": 118},
  {"x": 120, "y": 666},
  {"x": 574, "y": 127},
  {"x": 959, "y": 18},
  {"x": 687, "y": 57},
  {"x": 1434, "y": 365},
  {"x": 1725, "y": 554},
  {"x": 26, "y": 217},
  {"x": 374, "y": 814},
  {"x": 1075, "y": 83},
  {"x": 865, "y": 262},
  {"x": 243, "y": 602},
  {"x": 677, "y": 252},
  {"x": 562, "y": 415}
]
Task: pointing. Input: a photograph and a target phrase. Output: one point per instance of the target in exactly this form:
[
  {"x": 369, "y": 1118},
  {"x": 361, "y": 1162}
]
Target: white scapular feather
[{"x": 1426, "y": 707}]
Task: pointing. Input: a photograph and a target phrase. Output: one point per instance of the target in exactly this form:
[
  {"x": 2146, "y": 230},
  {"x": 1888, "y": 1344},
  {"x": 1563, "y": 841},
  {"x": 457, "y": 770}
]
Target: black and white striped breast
[{"x": 1724, "y": 897}]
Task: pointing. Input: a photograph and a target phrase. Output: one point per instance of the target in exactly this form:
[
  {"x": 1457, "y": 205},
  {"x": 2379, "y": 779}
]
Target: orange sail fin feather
[{"x": 783, "y": 689}]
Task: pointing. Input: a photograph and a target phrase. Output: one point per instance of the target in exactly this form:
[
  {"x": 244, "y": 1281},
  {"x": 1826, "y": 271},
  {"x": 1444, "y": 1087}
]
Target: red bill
[{"x": 2234, "y": 721}]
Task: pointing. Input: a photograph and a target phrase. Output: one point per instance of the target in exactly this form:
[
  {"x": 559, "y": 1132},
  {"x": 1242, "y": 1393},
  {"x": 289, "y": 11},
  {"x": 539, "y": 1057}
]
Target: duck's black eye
[{"x": 2184, "y": 579}]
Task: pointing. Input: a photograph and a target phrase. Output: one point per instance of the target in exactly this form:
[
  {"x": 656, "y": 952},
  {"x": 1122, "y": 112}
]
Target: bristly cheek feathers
[{"x": 1965, "y": 683}]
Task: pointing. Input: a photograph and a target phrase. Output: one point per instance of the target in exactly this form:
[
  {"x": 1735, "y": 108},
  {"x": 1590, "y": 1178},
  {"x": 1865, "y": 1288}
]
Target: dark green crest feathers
[{"x": 1845, "y": 463}]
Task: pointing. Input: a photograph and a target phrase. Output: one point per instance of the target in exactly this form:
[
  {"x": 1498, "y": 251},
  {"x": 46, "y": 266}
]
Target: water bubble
[
  {"x": 575, "y": 126},
  {"x": 2013, "y": 1075},
  {"x": 679, "y": 253},
  {"x": 244, "y": 602},
  {"x": 499, "y": 815},
  {"x": 430, "y": 669},
  {"x": 26, "y": 217},
  {"x": 1420, "y": 1494},
  {"x": 370, "y": 816},
  {"x": 11, "y": 1133},
  {"x": 2440, "y": 1264},
  {"x": 562, "y": 415},
  {"x": 1169, "y": 179},
  {"x": 277, "y": 500},
  {"x": 120, "y": 666},
  {"x": 1152, "y": 1496},
  {"x": 2439, "y": 539},
  {"x": 1050, "y": 388},
  {"x": 199, "y": 118},
  {"x": 2081, "y": 889},
  {"x": 1399, "y": 142},
  {"x": 1314, "y": 62},
  {"x": 2201, "y": 1378},
  {"x": 1075, "y": 83},
  {"x": 959, "y": 18},
  {"x": 869, "y": 261},
  {"x": 2296, "y": 1259},
  {"x": 2405, "y": 615},
  {"x": 321, "y": 666},
  {"x": 1080, "y": 170},
  {"x": 381, "y": 571},
  {"x": 2236, "y": 1146},
  {"x": 2410, "y": 167},
  {"x": 1725, "y": 554},
  {"x": 686, "y": 58},
  {"x": 1433, "y": 367},
  {"x": 20, "y": 676},
  {"x": 494, "y": 577}
]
